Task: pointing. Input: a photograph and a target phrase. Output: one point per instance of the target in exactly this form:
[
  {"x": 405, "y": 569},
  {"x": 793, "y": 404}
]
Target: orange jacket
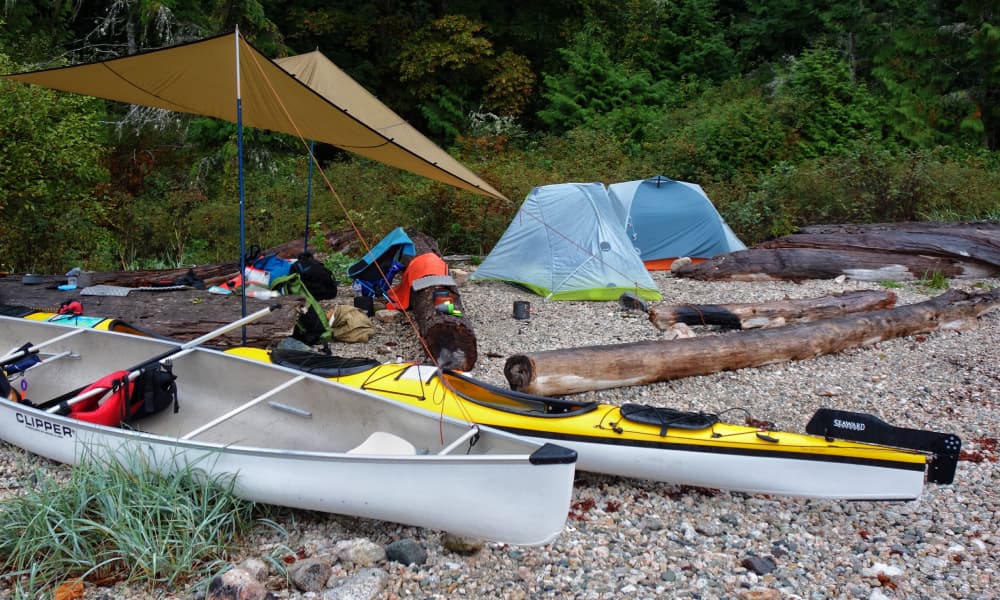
[{"x": 421, "y": 266}]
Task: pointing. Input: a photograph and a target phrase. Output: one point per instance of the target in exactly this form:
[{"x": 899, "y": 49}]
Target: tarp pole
[
  {"x": 239, "y": 154},
  {"x": 309, "y": 191}
]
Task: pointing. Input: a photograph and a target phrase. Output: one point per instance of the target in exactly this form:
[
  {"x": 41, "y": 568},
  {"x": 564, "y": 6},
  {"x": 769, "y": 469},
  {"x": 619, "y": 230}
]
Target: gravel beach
[{"x": 637, "y": 539}]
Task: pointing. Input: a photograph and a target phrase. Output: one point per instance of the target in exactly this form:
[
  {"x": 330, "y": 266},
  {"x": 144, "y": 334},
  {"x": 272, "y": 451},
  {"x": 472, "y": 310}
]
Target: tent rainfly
[
  {"x": 667, "y": 219},
  {"x": 566, "y": 242}
]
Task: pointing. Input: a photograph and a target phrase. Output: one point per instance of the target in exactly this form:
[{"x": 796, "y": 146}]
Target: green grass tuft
[
  {"x": 112, "y": 522},
  {"x": 935, "y": 280}
]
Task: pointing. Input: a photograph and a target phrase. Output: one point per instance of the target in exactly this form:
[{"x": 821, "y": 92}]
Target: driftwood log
[
  {"x": 212, "y": 274},
  {"x": 770, "y": 314},
  {"x": 884, "y": 251},
  {"x": 180, "y": 314},
  {"x": 557, "y": 372}
]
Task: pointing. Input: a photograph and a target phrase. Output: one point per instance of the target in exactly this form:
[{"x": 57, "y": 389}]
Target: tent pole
[
  {"x": 309, "y": 191},
  {"x": 239, "y": 153}
]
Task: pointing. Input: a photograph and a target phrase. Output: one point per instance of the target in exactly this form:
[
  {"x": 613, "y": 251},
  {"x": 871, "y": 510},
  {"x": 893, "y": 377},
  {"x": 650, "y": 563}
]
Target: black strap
[{"x": 667, "y": 417}]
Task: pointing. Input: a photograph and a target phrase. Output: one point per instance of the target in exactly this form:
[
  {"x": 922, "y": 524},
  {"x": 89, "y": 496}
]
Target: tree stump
[{"x": 450, "y": 339}]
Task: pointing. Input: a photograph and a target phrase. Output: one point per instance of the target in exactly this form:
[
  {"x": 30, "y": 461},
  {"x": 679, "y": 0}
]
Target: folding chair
[{"x": 373, "y": 274}]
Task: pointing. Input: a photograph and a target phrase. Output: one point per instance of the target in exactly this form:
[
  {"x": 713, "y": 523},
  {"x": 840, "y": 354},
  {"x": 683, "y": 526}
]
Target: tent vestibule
[{"x": 667, "y": 219}]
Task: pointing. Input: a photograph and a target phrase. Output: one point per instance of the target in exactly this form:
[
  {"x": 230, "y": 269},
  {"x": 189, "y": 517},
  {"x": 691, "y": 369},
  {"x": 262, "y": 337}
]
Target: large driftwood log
[
  {"x": 884, "y": 251},
  {"x": 211, "y": 274},
  {"x": 952, "y": 227},
  {"x": 557, "y": 372},
  {"x": 797, "y": 264},
  {"x": 180, "y": 314},
  {"x": 770, "y": 314}
]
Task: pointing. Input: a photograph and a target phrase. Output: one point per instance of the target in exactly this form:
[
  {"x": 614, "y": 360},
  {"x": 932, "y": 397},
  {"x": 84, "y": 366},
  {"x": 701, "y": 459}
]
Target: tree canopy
[{"x": 750, "y": 98}]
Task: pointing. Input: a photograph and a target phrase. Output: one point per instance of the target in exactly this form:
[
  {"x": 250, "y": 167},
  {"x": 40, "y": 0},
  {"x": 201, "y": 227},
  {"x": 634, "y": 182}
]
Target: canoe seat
[{"x": 383, "y": 442}]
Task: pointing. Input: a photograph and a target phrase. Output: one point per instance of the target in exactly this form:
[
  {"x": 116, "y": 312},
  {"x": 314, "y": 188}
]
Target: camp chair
[{"x": 373, "y": 274}]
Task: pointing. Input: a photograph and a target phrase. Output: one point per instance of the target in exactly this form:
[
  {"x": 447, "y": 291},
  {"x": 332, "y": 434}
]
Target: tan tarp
[{"x": 323, "y": 104}]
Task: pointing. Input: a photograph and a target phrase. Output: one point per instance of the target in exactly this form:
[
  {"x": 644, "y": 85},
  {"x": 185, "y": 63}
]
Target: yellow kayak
[{"x": 844, "y": 455}]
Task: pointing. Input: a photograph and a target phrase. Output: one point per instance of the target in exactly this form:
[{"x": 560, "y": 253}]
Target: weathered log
[
  {"x": 180, "y": 314},
  {"x": 890, "y": 251},
  {"x": 797, "y": 264},
  {"x": 450, "y": 339},
  {"x": 557, "y": 372},
  {"x": 210, "y": 274},
  {"x": 346, "y": 241},
  {"x": 770, "y": 314},
  {"x": 958, "y": 227},
  {"x": 960, "y": 246}
]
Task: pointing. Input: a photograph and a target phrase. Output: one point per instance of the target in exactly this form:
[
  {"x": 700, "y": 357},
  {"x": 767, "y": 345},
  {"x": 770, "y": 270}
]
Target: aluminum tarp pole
[
  {"x": 309, "y": 191},
  {"x": 239, "y": 153}
]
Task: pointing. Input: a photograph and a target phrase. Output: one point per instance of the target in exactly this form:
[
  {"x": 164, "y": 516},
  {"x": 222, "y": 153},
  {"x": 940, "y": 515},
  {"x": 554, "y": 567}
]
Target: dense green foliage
[{"x": 786, "y": 112}]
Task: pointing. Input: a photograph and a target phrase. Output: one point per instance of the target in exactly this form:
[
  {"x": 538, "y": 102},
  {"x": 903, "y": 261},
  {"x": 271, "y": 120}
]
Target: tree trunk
[
  {"x": 797, "y": 264},
  {"x": 557, "y": 372},
  {"x": 770, "y": 314}
]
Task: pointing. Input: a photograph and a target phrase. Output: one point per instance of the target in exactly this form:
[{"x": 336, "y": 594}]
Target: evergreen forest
[{"x": 787, "y": 112}]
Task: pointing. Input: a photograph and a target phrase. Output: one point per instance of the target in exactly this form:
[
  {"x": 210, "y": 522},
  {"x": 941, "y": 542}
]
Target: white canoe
[{"x": 293, "y": 439}]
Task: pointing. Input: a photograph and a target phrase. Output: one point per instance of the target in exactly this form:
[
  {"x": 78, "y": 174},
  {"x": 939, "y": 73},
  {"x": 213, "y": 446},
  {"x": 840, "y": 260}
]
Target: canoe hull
[{"x": 292, "y": 448}]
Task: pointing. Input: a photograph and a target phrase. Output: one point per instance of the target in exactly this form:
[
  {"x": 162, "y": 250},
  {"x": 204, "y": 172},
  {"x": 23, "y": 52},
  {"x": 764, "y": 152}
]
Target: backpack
[
  {"x": 312, "y": 326},
  {"x": 316, "y": 277}
]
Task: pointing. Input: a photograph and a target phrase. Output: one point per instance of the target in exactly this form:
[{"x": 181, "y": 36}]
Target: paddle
[
  {"x": 29, "y": 348},
  {"x": 62, "y": 404}
]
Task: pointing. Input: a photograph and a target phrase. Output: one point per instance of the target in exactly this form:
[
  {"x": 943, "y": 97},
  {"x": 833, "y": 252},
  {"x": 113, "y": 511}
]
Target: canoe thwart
[{"x": 229, "y": 415}]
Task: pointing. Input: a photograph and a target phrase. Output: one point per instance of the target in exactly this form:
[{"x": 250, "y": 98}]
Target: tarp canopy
[
  {"x": 666, "y": 219},
  {"x": 567, "y": 242},
  {"x": 309, "y": 98}
]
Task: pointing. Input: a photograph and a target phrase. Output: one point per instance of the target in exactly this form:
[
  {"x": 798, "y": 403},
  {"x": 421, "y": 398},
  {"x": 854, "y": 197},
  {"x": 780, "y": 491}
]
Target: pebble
[{"x": 665, "y": 541}]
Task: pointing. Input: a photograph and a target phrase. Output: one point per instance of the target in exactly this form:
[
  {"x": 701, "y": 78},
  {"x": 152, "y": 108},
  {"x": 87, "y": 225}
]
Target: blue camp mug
[{"x": 522, "y": 309}]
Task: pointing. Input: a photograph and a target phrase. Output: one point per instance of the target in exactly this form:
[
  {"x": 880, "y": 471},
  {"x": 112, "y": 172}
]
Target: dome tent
[
  {"x": 667, "y": 219},
  {"x": 567, "y": 242}
]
